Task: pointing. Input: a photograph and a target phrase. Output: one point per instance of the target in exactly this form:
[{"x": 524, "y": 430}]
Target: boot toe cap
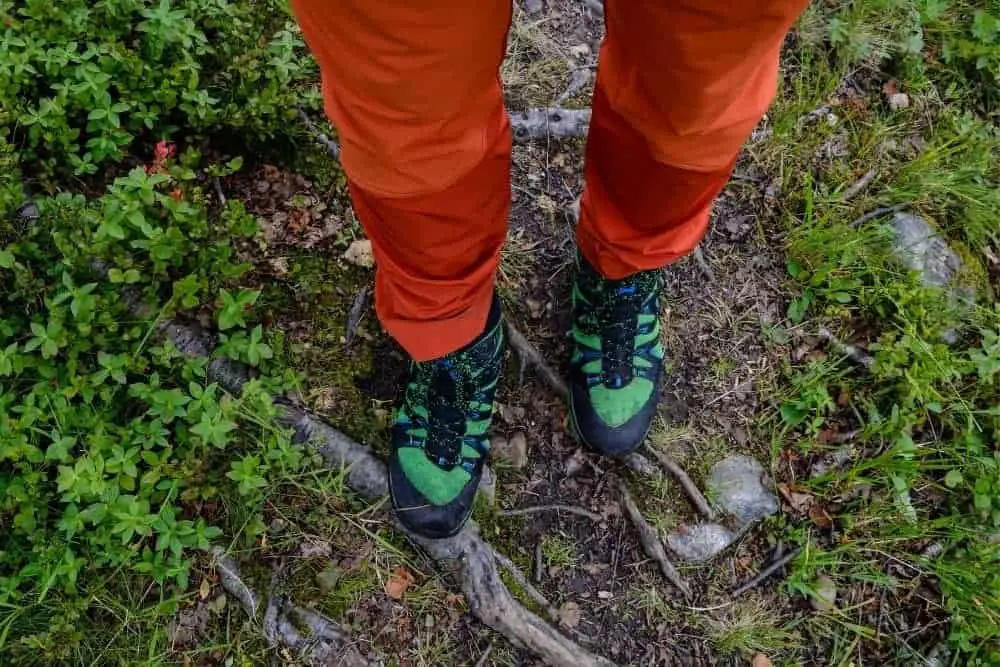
[
  {"x": 418, "y": 515},
  {"x": 613, "y": 441}
]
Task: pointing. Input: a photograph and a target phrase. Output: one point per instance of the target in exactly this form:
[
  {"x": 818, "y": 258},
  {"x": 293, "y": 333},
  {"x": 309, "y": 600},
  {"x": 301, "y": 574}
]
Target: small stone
[
  {"x": 514, "y": 451},
  {"x": 737, "y": 485},
  {"x": 899, "y": 101},
  {"x": 824, "y": 594},
  {"x": 920, "y": 248},
  {"x": 699, "y": 542},
  {"x": 604, "y": 595},
  {"x": 488, "y": 485},
  {"x": 328, "y": 578}
]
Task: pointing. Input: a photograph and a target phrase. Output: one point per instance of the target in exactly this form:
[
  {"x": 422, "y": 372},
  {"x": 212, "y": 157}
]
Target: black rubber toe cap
[
  {"x": 418, "y": 515},
  {"x": 613, "y": 441}
]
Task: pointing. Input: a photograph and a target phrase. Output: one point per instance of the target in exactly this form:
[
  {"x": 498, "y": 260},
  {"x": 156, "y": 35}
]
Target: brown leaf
[
  {"x": 820, "y": 517},
  {"x": 891, "y": 87},
  {"x": 569, "y": 614},
  {"x": 761, "y": 660},
  {"x": 399, "y": 582},
  {"x": 798, "y": 500}
]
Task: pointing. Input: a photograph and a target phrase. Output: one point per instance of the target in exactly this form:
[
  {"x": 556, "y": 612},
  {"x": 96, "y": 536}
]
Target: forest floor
[{"x": 731, "y": 347}]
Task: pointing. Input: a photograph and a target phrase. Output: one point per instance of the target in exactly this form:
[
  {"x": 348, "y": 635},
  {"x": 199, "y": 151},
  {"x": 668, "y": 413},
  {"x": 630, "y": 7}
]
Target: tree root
[
  {"x": 466, "y": 554},
  {"x": 651, "y": 542},
  {"x": 531, "y": 358},
  {"x": 552, "y": 122},
  {"x": 325, "y": 644},
  {"x": 766, "y": 572},
  {"x": 692, "y": 491}
]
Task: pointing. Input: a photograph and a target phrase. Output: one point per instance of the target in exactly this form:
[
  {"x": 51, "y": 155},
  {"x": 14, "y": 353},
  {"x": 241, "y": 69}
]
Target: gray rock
[
  {"x": 919, "y": 247},
  {"x": 824, "y": 594},
  {"x": 736, "y": 484},
  {"x": 700, "y": 542}
]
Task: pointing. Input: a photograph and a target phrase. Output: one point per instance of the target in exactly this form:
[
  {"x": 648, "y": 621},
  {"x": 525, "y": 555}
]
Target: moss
[{"x": 317, "y": 295}]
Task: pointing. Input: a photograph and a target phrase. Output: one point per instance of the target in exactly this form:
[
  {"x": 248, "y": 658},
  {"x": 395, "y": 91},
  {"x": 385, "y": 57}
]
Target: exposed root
[
  {"x": 552, "y": 122},
  {"x": 572, "y": 509},
  {"x": 528, "y": 587},
  {"x": 531, "y": 357},
  {"x": 692, "y": 491},
  {"x": 466, "y": 554},
  {"x": 325, "y": 643},
  {"x": 766, "y": 572},
  {"x": 651, "y": 542},
  {"x": 855, "y": 354},
  {"x": 699, "y": 258}
]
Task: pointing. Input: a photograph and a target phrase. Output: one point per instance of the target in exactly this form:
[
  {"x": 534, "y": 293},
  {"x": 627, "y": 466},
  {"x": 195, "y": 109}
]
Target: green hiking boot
[
  {"x": 617, "y": 358},
  {"x": 439, "y": 442}
]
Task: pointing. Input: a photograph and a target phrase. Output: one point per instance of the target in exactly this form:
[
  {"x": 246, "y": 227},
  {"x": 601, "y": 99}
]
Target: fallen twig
[
  {"x": 690, "y": 488},
  {"x": 529, "y": 588},
  {"x": 859, "y": 185},
  {"x": 572, "y": 509},
  {"x": 354, "y": 315},
  {"x": 531, "y": 357},
  {"x": 485, "y": 656},
  {"x": 554, "y": 122},
  {"x": 331, "y": 146},
  {"x": 879, "y": 212},
  {"x": 766, "y": 572},
  {"x": 855, "y": 354},
  {"x": 232, "y": 583},
  {"x": 651, "y": 542}
]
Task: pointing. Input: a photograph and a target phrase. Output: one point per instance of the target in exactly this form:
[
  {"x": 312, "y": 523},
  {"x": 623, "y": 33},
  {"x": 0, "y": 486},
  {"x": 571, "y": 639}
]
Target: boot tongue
[
  {"x": 618, "y": 326},
  {"x": 446, "y": 421}
]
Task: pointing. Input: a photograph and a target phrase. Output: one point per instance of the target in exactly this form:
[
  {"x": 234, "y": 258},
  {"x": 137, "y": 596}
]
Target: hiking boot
[
  {"x": 439, "y": 442},
  {"x": 617, "y": 358}
]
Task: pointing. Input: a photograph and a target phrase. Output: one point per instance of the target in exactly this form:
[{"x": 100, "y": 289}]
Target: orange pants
[{"x": 414, "y": 92}]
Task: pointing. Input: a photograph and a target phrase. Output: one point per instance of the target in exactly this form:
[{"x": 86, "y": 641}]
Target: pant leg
[
  {"x": 414, "y": 92},
  {"x": 680, "y": 86}
]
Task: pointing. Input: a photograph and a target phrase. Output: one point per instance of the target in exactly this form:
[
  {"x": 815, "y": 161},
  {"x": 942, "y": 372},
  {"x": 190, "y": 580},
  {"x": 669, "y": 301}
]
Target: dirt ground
[{"x": 724, "y": 350}]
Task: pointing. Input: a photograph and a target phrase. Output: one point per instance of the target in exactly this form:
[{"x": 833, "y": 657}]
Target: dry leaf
[
  {"x": 569, "y": 614},
  {"x": 799, "y": 501},
  {"x": 890, "y": 88},
  {"x": 761, "y": 660},
  {"x": 359, "y": 253},
  {"x": 820, "y": 517},
  {"x": 399, "y": 582},
  {"x": 204, "y": 589}
]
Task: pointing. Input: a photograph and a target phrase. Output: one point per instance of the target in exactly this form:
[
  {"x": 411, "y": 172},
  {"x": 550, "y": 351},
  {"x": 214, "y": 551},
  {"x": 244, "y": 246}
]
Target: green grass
[{"x": 925, "y": 469}]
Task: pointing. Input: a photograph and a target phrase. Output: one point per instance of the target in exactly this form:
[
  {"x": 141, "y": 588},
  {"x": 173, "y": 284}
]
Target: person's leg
[
  {"x": 414, "y": 92},
  {"x": 680, "y": 86}
]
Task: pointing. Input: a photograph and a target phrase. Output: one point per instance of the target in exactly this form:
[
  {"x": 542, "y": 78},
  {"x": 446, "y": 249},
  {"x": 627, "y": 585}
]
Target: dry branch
[
  {"x": 877, "y": 213},
  {"x": 466, "y": 554},
  {"x": 859, "y": 185},
  {"x": 651, "y": 542},
  {"x": 552, "y": 122},
  {"x": 331, "y": 146},
  {"x": 690, "y": 488}
]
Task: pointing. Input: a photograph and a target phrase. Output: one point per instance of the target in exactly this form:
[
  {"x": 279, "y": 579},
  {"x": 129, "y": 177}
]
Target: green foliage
[
  {"x": 112, "y": 442},
  {"x": 81, "y": 81}
]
